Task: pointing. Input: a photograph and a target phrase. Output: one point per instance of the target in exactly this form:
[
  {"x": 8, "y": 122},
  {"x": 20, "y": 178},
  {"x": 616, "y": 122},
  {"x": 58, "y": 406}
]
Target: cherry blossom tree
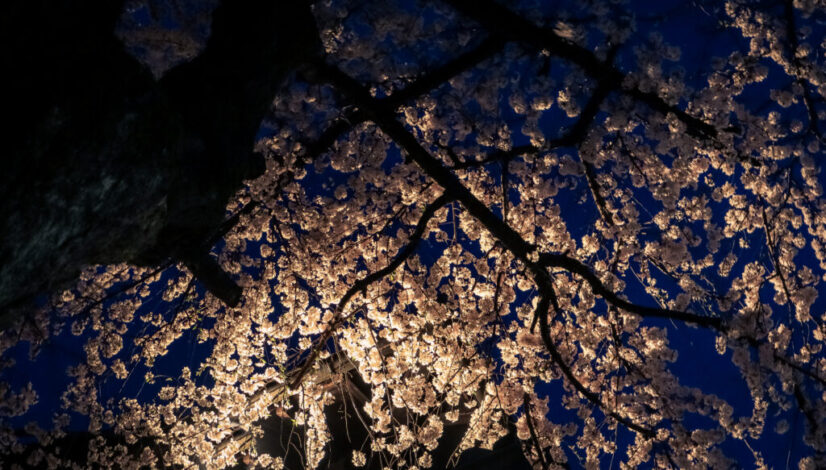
[{"x": 530, "y": 218}]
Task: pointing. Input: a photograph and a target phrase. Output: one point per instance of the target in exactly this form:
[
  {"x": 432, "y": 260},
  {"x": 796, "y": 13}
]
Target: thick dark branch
[
  {"x": 437, "y": 77},
  {"x": 218, "y": 282},
  {"x": 514, "y": 242},
  {"x": 297, "y": 375},
  {"x": 500, "y": 20},
  {"x": 386, "y": 120},
  {"x": 776, "y": 262},
  {"x": 505, "y": 177},
  {"x": 599, "y": 200},
  {"x": 755, "y": 343},
  {"x": 207, "y": 270},
  {"x": 577, "y": 133},
  {"x": 229, "y": 224},
  {"x": 808, "y": 373},
  {"x": 576, "y": 267},
  {"x": 330, "y": 135},
  {"x": 808, "y": 412},
  {"x": 422, "y": 85},
  {"x": 503, "y": 232},
  {"x": 498, "y": 156}
]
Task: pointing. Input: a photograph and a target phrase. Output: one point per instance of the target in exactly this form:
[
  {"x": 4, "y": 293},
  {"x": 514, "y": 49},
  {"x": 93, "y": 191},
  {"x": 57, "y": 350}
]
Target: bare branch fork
[{"x": 573, "y": 266}]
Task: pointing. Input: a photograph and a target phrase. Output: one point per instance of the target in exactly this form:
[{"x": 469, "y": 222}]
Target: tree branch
[
  {"x": 526, "y": 402},
  {"x": 297, "y": 375},
  {"x": 791, "y": 36},
  {"x": 218, "y": 282},
  {"x": 576, "y": 267},
  {"x": 362, "y": 284},
  {"x": 502, "y": 21},
  {"x": 422, "y": 85},
  {"x": 510, "y": 239},
  {"x": 545, "y": 332}
]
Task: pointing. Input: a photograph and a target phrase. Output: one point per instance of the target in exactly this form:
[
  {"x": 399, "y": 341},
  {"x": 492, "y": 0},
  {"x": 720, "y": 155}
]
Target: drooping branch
[
  {"x": 526, "y": 403},
  {"x": 545, "y": 332},
  {"x": 362, "y": 284},
  {"x": 599, "y": 199},
  {"x": 124, "y": 288},
  {"x": 776, "y": 262},
  {"x": 573, "y": 266}
]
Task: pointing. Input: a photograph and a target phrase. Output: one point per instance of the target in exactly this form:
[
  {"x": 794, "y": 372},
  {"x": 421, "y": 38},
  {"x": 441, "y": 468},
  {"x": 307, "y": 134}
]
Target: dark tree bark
[{"x": 108, "y": 165}]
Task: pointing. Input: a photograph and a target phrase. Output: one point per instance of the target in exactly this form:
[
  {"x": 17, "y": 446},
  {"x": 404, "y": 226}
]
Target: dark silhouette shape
[{"x": 108, "y": 165}]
